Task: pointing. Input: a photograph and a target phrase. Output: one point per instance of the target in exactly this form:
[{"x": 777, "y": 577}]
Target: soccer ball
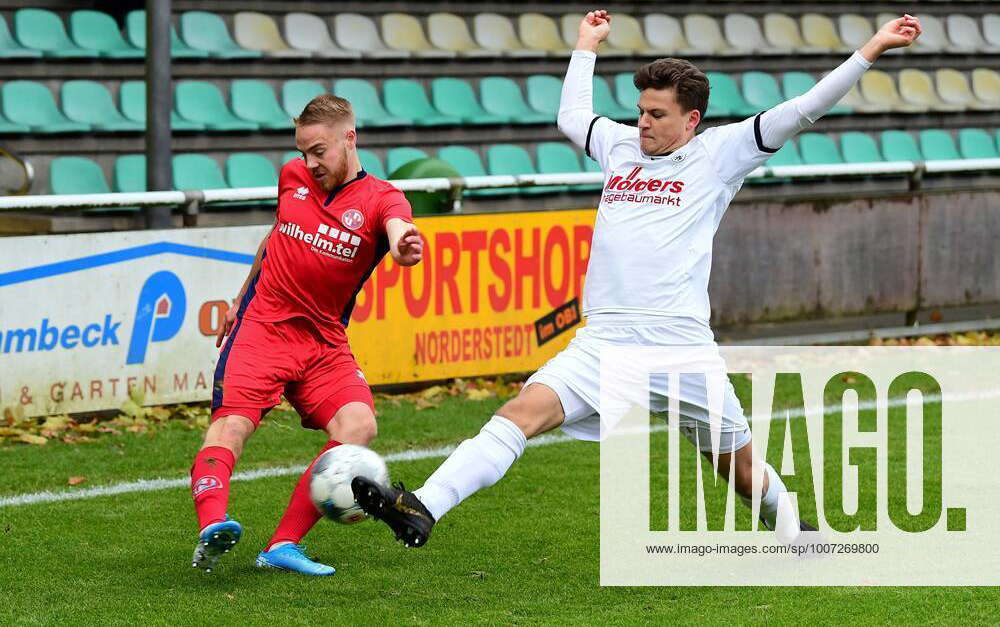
[{"x": 330, "y": 485}]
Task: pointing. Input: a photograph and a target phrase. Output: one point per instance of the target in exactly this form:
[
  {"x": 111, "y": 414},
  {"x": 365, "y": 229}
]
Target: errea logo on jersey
[
  {"x": 301, "y": 193},
  {"x": 328, "y": 241}
]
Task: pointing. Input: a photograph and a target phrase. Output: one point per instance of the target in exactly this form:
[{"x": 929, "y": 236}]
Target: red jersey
[{"x": 324, "y": 247}]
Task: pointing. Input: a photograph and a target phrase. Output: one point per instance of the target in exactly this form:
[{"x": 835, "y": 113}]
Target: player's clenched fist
[
  {"x": 227, "y": 325},
  {"x": 899, "y": 33},
  {"x": 410, "y": 247},
  {"x": 593, "y": 30}
]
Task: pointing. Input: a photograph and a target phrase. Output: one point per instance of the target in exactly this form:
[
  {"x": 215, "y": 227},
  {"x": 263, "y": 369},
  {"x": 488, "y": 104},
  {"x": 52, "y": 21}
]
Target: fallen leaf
[
  {"x": 76, "y": 480},
  {"x": 432, "y": 391},
  {"x": 478, "y": 395},
  {"x": 28, "y": 438}
]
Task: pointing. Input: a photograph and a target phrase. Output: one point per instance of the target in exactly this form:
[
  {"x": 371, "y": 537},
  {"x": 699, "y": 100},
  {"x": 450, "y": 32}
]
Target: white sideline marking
[{"x": 152, "y": 485}]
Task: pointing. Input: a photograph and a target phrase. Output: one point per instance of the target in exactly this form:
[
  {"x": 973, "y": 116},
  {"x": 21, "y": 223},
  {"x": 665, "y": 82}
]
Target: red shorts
[{"x": 262, "y": 360}]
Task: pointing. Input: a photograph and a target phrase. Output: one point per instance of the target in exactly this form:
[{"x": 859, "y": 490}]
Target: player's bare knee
[
  {"x": 530, "y": 417},
  {"x": 353, "y": 424},
  {"x": 229, "y": 432}
]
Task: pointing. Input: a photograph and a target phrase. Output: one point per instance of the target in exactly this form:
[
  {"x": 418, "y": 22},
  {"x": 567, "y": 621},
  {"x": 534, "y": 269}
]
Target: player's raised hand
[
  {"x": 227, "y": 325},
  {"x": 898, "y": 33},
  {"x": 410, "y": 247},
  {"x": 593, "y": 30}
]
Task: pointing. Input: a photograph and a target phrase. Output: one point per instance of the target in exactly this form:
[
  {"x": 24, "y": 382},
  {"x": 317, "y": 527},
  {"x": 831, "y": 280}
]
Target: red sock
[
  {"x": 301, "y": 514},
  {"x": 210, "y": 473}
]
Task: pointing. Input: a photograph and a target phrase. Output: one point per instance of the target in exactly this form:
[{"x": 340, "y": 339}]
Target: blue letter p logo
[{"x": 159, "y": 314}]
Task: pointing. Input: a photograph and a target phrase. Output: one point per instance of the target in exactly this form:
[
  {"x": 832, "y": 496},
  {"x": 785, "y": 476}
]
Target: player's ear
[
  {"x": 694, "y": 118},
  {"x": 351, "y": 136}
]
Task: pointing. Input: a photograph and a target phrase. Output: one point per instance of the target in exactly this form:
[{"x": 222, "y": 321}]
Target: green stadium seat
[
  {"x": 938, "y": 144},
  {"x": 7, "y": 127},
  {"x": 296, "y": 94},
  {"x": 250, "y": 169},
  {"x": 371, "y": 163},
  {"x": 726, "y": 100},
  {"x": 98, "y": 31},
  {"x": 407, "y": 99},
  {"x": 454, "y": 96},
  {"x": 288, "y": 156},
  {"x": 206, "y": 31},
  {"x": 560, "y": 158},
  {"x": 606, "y": 105},
  {"x": 468, "y": 163},
  {"x": 10, "y": 48},
  {"x": 202, "y": 102},
  {"x": 543, "y": 93},
  {"x": 255, "y": 101},
  {"x": 627, "y": 94},
  {"x": 859, "y": 148},
  {"x": 30, "y": 103},
  {"x": 398, "y": 157},
  {"x": 786, "y": 155},
  {"x": 975, "y": 143},
  {"x": 502, "y": 96},
  {"x": 760, "y": 90},
  {"x": 135, "y": 31},
  {"x": 43, "y": 30},
  {"x": 797, "y": 83},
  {"x": 132, "y": 96},
  {"x": 508, "y": 159},
  {"x": 368, "y": 109},
  {"x": 590, "y": 165},
  {"x": 129, "y": 174},
  {"x": 195, "y": 171},
  {"x": 90, "y": 102},
  {"x": 76, "y": 175},
  {"x": 819, "y": 149},
  {"x": 899, "y": 146}
]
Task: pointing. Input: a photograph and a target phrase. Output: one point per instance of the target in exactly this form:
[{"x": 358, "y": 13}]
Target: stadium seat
[
  {"x": 878, "y": 88},
  {"x": 819, "y": 149},
  {"x": 938, "y": 144},
  {"x": 540, "y": 32},
  {"x": 468, "y": 163},
  {"x": 495, "y": 32},
  {"x": 7, "y": 127},
  {"x": 797, "y": 83},
  {"x": 991, "y": 28},
  {"x": 859, "y": 148},
  {"x": 398, "y": 157},
  {"x": 454, "y": 96},
  {"x": 129, "y": 174},
  {"x": 857, "y": 102},
  {"x": 404, "y": 32},
  {"x": 605, "y": 104},
  {"x": 368, "y": 109},
  {"x": 786, "y": 155},
  {"x": 781, "y": 31},
  {"x": 626, "y": 93},
  {"x": 543, "y": 93},
  {"x": 306, "y": 31},
  {"x": 975, "y": 143},
  {"x": 743, "y": 33},
  {"x": 43, "y": 30},
  {"x": 627, "y": 35},
  {"x": 295, "y": 154},
  {"x": 899, "y": 146},
  {"x": 202, "y": 102},
  {"x": 296, "y": 94},
  {"x": 953, "y": 87},
  {"x": 407, "y": 99},
  {"x": 250, "y": 169},
  {"x": 964, "y": 34},
  {"x": 725, "y": 99},
  {"x": 196, "y": 171},
  {"x": 986, "y": 86},
  {"x": 10, "y": 48},
  {"x": 933, "y": 39},
  {"x": 206, "y": 31},
  {"x": 371, "y": 163},
  {"x": 664, "y": 33},
  {"x": 31, "y": 104},
  {"x": 560, "y": 158},
  {"x": 135, "y": 30},
  {"x": 502, "y": 96},
  {"x": 917, "y": 87},
  {"x": 819, "y": 31},
  {"x": 358, "y": 32},
  {"x": 702, "y": 32},
  {"x": 760, "y": 90},
  {"x": 257, "y": 31},
  {"x": 509, "y": 159},
  {"x": 132, "y": 96},
  {"x": 99, "y": 32},
  {"x": 255, "y": 101},
  {"x": 856, "y": 30},
  {"x": 448, "y": 31},
  {"x": 91, "y": 103},
  {"x": 76, "y": 175}
]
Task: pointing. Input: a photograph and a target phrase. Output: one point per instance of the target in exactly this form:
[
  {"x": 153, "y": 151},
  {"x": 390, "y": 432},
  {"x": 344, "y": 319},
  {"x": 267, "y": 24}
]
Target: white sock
[
  {"x": 477, "y": 463},
  {"x": 777, "y": 509}
]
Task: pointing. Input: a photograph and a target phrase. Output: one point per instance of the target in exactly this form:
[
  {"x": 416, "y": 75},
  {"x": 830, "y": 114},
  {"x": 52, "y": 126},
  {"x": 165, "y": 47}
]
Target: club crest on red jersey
[{"x": 353, "y": 219}]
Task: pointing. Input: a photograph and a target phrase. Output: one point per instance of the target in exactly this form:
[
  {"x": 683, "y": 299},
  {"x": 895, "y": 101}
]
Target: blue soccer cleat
[
  {"x": 292, "y": 557},
  {"x": 215, "y": 541}
]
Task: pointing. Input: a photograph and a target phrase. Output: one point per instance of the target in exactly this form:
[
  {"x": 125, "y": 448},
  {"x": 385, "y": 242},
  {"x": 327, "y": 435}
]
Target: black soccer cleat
[
  {"x": 804, "y": 526},
  {"x": 396, "y": 507}
]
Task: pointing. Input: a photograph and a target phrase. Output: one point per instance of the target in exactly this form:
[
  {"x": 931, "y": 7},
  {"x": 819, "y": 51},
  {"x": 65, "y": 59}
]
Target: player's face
[
  {"x": 325, "y": 149},
  {"x": 664, "y": 126}
]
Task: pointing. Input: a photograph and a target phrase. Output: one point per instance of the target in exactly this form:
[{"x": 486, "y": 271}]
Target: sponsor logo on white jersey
[
  {"x": 327, "y": 241},
  {"x": 301, "y": 193},
  {"x": 648, "y": 190}
]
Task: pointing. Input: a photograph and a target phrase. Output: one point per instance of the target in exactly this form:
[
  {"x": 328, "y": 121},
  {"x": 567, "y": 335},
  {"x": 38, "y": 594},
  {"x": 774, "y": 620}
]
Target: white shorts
[{"x": 574, "y": 374}]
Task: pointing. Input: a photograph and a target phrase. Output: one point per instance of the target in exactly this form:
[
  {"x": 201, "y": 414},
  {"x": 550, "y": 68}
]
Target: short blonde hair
[{"x": 326, "y": 109}]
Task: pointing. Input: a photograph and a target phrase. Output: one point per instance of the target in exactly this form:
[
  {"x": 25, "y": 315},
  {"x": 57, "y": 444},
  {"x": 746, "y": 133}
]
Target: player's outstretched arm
[
  {"x": 227, "y": 324},
  {"x": 405, "y": 243},
  {"x": 576, "y": 108}
]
